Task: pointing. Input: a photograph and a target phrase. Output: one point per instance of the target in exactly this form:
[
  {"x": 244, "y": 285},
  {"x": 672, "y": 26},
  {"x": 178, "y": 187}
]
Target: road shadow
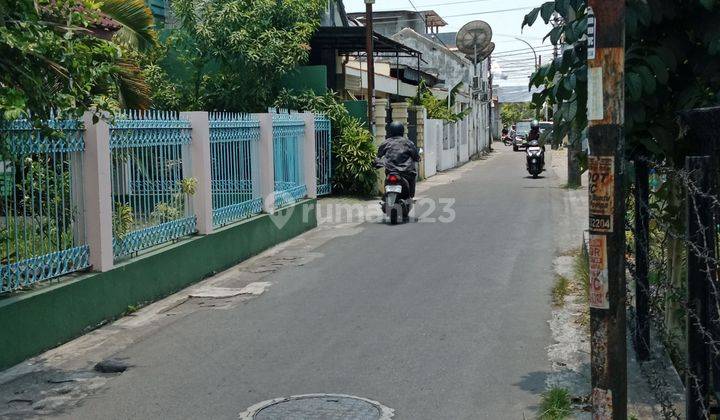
[{"x": 534, "y": 383}]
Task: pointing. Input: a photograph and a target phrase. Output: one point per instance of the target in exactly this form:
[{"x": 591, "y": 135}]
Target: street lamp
[
  {"x": 533, "y": 50},
  {"x": 370, "y": 61}
]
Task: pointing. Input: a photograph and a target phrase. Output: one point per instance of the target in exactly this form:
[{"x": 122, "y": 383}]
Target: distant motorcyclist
[
  {"x": 398, "y": 154},
  {"x": 534, "y": 131},
  {"x": 513, "y": 132},
  {"x": 534, "y": 138}
]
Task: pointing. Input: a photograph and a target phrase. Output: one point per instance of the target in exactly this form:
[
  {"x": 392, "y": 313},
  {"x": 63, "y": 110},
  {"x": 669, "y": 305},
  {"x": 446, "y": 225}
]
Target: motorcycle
[
  {"x": 396, "y": 201},
  {"x": 535, "y": 156},
  {"x": 507, "y": 141}
]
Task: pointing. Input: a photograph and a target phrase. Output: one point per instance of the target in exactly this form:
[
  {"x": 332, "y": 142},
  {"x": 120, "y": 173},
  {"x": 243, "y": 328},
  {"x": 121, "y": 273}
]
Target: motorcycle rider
[
  {"x": 534, "y": 139},
  {"x": 513, "y": 132},
  {"x": 398, "y": 154},
  {"x": 534, "y": 131}
]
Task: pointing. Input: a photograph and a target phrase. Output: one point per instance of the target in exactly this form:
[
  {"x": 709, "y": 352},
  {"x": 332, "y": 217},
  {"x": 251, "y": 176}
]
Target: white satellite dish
[{"x": 474, "y": 38}]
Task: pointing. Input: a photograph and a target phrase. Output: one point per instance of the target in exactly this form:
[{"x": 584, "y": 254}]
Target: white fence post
[
  {"x": 267, "y": 164},
  {"x": 97, "y": 197},
  {"x": 199, "y": 165},
  {"x": 309, "y": 158}
]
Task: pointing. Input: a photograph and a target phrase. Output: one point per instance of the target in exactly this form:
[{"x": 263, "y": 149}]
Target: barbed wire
[{"x": 670, "y": 248}]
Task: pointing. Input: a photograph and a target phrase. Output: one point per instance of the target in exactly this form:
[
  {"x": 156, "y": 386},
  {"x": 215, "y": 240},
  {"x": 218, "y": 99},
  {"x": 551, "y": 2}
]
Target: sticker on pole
[
  {"x": 602, "y": 406},
  {"x": 602, "y": 185},
  {"x": 590, "y": 34},
  {"x": 595, "y": 104},
  {"x": 597, "y": 252}
]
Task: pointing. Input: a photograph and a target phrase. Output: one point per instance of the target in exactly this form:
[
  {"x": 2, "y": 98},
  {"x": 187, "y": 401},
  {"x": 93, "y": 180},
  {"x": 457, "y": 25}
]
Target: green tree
[
  {"x": 233, "y": 53},
  {"x": 513, "y": 112},
  {"x": 54, "y": 57},
  {"x": 666, "y": 71},
  {"x": 563, "y": 81}
]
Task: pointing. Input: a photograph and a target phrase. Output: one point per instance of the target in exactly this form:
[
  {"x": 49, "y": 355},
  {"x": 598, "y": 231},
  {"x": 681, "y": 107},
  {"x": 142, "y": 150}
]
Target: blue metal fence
[
  {"x": 41, "y": 232},
  {"x": 323, "y": 154},
  {"x": 234, "y": 143},
  {"x": 151, "y": 187},
  {"x": 288, "y": 136}
]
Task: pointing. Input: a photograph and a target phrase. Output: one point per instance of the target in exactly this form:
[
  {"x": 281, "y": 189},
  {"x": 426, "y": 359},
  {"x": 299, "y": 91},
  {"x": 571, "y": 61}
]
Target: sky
[{"x": 514, "y": 57}]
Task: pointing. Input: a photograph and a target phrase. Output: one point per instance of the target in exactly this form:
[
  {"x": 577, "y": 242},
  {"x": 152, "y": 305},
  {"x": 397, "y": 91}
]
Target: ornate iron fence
[
  {"x": 234, "y": 142},
  {"x": 288, "y": 136},
  {"x": 151, "y": 186},
  {"x": 323, "y": 154},
  {"x": 41, "y": 233}
]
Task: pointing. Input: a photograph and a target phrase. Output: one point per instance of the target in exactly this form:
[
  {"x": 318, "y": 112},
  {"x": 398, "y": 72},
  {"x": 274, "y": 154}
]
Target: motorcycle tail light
[{"x": 392, "y": 179}]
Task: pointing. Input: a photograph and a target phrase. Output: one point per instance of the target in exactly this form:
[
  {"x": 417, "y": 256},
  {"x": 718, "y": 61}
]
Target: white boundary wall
[{"x": 433, "y": 145}]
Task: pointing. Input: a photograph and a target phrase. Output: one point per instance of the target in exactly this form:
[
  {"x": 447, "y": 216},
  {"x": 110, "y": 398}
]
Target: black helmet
[{"x": 395, "y": 129}]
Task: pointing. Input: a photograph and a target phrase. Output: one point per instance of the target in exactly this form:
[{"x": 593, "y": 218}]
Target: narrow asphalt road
[{"x": 435, "y": 320}]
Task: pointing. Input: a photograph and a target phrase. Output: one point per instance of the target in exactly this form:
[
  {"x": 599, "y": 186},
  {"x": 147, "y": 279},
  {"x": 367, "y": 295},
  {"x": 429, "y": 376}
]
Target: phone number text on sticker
[{"x": 601, "y": 189}]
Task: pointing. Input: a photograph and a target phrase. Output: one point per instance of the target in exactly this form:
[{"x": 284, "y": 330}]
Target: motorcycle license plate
[{"x": 393, "y": 188}]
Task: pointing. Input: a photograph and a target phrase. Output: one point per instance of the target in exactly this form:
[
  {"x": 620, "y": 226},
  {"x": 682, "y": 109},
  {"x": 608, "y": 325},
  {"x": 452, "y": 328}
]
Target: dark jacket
[{"x": 398, "y": 154}]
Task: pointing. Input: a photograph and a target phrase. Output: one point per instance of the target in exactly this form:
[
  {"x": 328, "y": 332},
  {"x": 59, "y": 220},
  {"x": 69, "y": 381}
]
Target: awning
[{"x": 351, "y": 40}]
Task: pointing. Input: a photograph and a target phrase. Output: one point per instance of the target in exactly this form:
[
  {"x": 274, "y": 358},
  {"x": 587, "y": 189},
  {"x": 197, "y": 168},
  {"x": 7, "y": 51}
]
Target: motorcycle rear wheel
[{"x": 393, "y": 216}]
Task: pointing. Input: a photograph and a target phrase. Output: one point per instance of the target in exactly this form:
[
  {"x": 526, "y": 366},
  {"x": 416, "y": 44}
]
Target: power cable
[
  {"x": 453, "y": 2},
  {"x": 381, "y": 19}
]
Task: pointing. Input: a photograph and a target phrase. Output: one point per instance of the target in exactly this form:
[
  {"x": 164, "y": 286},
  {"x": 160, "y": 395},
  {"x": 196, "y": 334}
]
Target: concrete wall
[{"x": 433, "y": 145}]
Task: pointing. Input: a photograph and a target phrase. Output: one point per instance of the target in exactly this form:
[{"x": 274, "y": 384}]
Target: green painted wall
[
  {"x": 357, "y": 109},
  {"x": 33, "y": 322},
  {"x": 306, "y": 78}
]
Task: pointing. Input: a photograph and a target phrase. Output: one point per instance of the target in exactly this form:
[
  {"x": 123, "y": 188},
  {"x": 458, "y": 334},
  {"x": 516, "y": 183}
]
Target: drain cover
[{"x": 318, "y": 406}]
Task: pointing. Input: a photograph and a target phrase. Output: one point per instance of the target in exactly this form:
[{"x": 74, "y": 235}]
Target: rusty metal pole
[
  {"x": 642, "y": 249},
  {"x": 606, "y": 88},
  {"x": 370, "y": 47}
]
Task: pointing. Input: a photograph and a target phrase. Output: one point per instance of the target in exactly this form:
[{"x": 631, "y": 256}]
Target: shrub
[
  {"x": 353, "y": 146},
  {"x": 439, "y": 109},
  {"x": 556, "y": 404}
]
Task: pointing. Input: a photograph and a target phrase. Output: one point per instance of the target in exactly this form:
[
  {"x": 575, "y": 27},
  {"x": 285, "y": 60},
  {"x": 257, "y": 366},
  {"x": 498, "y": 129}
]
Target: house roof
[
  {"x": 430, "y": 44},
  {"x": 430, "y": 16}
]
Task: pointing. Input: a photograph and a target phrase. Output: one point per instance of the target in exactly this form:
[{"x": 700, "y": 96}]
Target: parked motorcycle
[{"x": 535, "y": 159}]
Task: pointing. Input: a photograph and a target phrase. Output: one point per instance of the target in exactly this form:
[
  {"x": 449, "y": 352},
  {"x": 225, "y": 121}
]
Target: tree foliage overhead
[
  {"x": 563, "y": 81},
  {"x": 235, "y": 52},
  {"x": 672, "y": 63},
  {"x": 59, "y": 55},
  {"x": 50, "y": 59},
  {"x": 511, "y": 113}
]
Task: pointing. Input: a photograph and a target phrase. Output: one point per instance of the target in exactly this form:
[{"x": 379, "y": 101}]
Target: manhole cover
[{"x": 320, "y": 407}]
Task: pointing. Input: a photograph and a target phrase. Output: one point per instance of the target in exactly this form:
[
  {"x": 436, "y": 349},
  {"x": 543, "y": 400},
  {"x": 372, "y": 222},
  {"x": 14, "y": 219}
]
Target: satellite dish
[
  {"x": 485, "y": 53},
  {"x": 474, "y": 38}
]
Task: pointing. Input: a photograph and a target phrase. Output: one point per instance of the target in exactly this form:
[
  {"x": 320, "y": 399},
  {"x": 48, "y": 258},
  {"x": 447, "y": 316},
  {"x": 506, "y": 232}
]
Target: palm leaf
[
  {"x": 134, "y": 91},
  {"x": 136, "y": 20}
]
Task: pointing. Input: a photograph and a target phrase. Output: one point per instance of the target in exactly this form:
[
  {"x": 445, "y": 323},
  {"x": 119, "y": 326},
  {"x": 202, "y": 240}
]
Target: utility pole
[
  {"x": 606, "y": 88},
  {"x": 370, "y": 62},
  {"x": 490, "y": 104}
]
